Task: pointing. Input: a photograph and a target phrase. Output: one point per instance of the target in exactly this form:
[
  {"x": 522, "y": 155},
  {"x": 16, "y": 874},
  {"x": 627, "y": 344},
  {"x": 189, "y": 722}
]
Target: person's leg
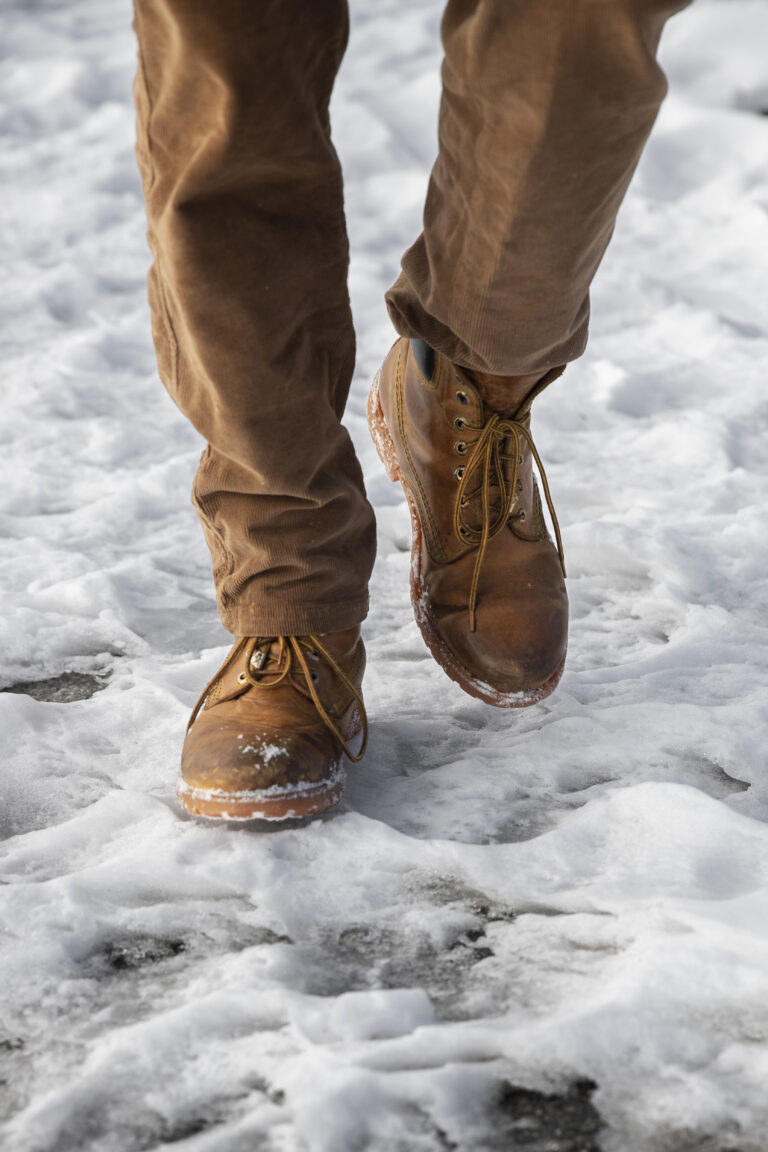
[
  {"x": 249, "y": 299},
  {"x": 255, "y": 344},
  {"x": 546, "y": 108}
]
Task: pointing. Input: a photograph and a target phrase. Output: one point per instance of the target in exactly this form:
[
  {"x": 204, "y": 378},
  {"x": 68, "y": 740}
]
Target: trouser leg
[
  {"x": 249, "y": 301},
  {"x": 546, "y": 107}
]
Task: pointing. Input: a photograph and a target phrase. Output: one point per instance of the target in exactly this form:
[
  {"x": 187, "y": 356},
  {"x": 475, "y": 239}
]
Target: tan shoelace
[
  {"x": 489, "y": 460},
  {"x": 290, "y": 648}
]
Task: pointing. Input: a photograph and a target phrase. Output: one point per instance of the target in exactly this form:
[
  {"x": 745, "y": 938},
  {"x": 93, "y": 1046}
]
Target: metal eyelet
[
  {"x": 459, "y": 473},
  {"x": 462, "y": 396},
  {"x": 461, "y": 447},
  {"x": 463, "y": 502},
  {"x": 242, "y": 678},
  {"x": 459, "y": 423},
  {"x": 314, "y": 677},
  {"x": 521, "y": 515},
  {"x": 313, "y": 655},
  {"x": 520, "y": 485}
]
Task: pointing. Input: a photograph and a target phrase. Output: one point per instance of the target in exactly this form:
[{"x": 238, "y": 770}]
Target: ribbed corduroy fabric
[{"x": 546, "y": 107}]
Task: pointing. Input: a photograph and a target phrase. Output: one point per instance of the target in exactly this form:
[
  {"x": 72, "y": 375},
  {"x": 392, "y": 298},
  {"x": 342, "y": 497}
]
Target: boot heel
[{"x": 380, "y": 435}]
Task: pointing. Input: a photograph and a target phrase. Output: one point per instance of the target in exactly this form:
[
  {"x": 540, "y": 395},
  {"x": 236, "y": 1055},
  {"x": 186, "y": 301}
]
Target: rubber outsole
[
  {"x": 447, "y": 660},
  {"x": 261, "y": 805}
]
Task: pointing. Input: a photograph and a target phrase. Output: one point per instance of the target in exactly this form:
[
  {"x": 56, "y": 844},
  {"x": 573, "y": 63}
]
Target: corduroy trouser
[{"x": 546, "y": 107}]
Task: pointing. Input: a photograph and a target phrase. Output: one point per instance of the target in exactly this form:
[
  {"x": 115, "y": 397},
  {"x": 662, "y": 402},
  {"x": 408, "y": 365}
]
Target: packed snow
[{"x": 543, "y": 929}]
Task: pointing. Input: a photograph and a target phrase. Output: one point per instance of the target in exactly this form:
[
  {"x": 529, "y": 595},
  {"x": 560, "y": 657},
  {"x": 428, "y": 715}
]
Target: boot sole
[
  {"x": 262, "y": 805},
  {"x": 385, "y": 447},
  {"x": 270, "y": 803}
]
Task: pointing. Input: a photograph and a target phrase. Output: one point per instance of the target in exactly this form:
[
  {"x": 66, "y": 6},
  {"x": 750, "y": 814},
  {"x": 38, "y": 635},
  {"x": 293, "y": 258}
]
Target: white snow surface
[{"x": 575, "y": 891}]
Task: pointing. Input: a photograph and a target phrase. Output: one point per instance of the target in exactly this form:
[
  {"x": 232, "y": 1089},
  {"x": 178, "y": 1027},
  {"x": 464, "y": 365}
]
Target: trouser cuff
[
  {"x": 503, "y": 346},
  {"x": 281, "y": 619}
]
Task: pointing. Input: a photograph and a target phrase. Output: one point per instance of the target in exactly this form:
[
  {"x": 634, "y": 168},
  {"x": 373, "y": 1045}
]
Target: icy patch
[{"x": 62, "y": 689}]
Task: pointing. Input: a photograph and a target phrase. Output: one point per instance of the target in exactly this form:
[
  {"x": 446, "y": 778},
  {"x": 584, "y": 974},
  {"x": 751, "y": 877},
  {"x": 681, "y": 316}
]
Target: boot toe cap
[
  {"x": 223, "y": 757},
  {"x": 511, "y": 660},
  {"x": 519, "y": 641}
]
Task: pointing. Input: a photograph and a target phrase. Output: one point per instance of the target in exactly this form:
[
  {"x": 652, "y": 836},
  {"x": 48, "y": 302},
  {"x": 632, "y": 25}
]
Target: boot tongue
[
  {"x": 503, "y": 470},
  {"x": 232, "y": 683},
  {"x": 510, "y": 448},
  {"x": 507, "y": 395},
  {"x": 268, "y": 661},
  {"x": 510, "y": 398},
  {"x": 504, "y": 395}
]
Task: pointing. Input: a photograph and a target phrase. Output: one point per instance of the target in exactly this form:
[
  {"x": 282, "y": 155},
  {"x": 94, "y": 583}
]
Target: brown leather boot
[
  {"x": 265, "y": 738},
  {"x": 487, "y": 581}
]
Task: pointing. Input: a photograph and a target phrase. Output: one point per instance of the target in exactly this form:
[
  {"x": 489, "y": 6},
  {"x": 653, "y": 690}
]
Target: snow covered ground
[{"x": 545, "y": 930}]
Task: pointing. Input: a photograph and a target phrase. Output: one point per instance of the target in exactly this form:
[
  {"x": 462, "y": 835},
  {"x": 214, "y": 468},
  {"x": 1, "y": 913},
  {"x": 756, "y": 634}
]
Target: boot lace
[
  {"x": 485, "y": 475},
  {"x": 292, "y": 654}
]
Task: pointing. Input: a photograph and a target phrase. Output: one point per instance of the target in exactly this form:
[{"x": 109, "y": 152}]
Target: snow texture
[{"x": 545, "y": 929}]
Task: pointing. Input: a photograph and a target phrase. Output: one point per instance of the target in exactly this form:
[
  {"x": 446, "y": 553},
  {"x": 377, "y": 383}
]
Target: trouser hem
[
  {"x": 411, "y": 320},
  {"x": 259, "y": 619}
]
